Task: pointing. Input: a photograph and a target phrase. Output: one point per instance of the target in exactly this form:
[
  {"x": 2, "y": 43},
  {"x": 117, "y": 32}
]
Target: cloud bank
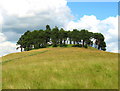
[{"x": 25, "y": 15}]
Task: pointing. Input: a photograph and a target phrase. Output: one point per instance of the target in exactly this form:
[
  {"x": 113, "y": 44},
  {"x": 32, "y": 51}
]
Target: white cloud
[
  {"x": 2, "y": 37},
  {"x": 43, "y": 9},
  {"x": 113, "y": 47},
  {"x": 26, "y": 8},
  {"x": 1, "y": 22},
  {"x": 108, "y": 27},
  {"x": 7, "y": 47},
  {"x": 86, "y": 22},
  {"x": 1, "y": 19},
  {"x": 22, "y": 15},
  {"x": 112, "y": 24}
]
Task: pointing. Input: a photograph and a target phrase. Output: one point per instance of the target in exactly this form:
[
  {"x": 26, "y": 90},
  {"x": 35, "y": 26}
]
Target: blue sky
[
  {"x": 101, "y": 10},
  {"x": 93, "y": 0}
]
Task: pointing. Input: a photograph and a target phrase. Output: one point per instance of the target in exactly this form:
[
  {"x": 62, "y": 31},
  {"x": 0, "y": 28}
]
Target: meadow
[{"x": 60, "y": 68}]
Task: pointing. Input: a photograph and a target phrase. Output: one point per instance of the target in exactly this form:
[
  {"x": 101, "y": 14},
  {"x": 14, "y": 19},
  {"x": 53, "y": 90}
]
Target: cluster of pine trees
[{"x": 59, "y": 37}]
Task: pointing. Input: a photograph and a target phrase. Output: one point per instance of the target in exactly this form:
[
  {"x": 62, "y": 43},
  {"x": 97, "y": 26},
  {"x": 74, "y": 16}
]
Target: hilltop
[{"x": 60, "y": 68}]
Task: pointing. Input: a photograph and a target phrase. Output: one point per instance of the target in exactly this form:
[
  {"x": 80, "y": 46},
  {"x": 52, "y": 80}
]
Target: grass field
[{"x": 60, "y": 68}]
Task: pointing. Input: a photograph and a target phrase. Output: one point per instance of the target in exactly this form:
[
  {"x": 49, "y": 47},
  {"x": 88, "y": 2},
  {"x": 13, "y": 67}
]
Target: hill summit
[{"x": 60, "y": 68}]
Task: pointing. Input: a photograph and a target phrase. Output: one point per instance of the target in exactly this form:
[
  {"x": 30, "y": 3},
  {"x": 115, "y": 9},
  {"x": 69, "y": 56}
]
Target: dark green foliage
[
  {"x": 63, "y": 45},
  {"x": 80, "y": 45},
  {"x": 85, "y": 36},
  {"x": 103, "y": 46},
  {"x": 85, "y": 46},
  {"x": 54, "y": 37},
  {"x": 55, "y": 45},
  {"x": 77, "y": 45},
  {"x": 61, "y": 36},
  {"x": 49, "y": 45},
  {"x": 25, "y": 41},
  {"x": 70, "y": 36},
  {"x": 47, "y": 33},
  {"x": 76, "y": 38},
  {"x": 99, "y": 41}
]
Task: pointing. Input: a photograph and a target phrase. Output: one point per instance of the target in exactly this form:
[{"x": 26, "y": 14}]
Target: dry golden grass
[{"x": 61, "y": 68}]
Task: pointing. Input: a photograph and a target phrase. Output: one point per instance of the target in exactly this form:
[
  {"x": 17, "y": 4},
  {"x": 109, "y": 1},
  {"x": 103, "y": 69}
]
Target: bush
[
  {"x": 103, "y": 48},
  {"x": 77, "y": 45},
  {"x": 55, "y": 45},
  {"x": 80, "y": 45},
  {"x": 49, "y": 45},
  {"x": 85, "y": 46},
  {"x": 63, "y": 45},
  {"x": 42, "y": 46}
]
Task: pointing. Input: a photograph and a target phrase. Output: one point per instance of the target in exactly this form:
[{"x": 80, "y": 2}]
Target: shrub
[
  {"x": 80, "y": 45},
  {"x": 55, "y": 45},
  {"x": 49, "y": 44},
  {"x": 77, "y": 45},
  {"x": 103, "y": 48},
  {"x": 85, "y": 46}
]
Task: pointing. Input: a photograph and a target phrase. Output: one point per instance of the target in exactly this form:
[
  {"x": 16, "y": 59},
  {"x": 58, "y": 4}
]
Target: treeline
[{"x": 59, "y": 37}]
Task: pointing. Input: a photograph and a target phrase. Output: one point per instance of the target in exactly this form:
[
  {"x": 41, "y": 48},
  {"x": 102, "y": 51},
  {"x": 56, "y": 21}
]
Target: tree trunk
[
  {"x": 21, "y": 48},
  {"x": 60, "y": 41},
  {"x": 83, "y": 43},
  {"x": 98, "y": 43},
  {"x": 74, "y": 42},
  {"x": 64, "y": 42},
  {"x": 70, "y": 41},
  {"x": 98, "y": 47}
]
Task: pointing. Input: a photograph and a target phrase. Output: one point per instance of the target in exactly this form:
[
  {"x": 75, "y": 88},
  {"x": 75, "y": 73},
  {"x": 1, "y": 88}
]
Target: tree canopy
[{"x": 59, "y": 37}]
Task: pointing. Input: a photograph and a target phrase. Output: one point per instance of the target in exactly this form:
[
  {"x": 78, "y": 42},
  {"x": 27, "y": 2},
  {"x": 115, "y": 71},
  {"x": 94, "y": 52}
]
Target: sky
[
  {"x": 18, "y": 16},
  {"x": 101, "y": 10}
]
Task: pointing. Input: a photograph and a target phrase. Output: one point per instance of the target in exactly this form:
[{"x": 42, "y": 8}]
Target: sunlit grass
[{"x": 61, "y": 68}]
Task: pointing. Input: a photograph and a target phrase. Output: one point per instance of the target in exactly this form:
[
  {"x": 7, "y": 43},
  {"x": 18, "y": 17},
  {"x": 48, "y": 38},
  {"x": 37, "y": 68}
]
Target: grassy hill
[{"x": 60, "y": 68}]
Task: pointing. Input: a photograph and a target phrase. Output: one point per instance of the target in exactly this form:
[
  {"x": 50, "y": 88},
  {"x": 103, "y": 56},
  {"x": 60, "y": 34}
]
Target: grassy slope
[{"x": 60, "y": 68}]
